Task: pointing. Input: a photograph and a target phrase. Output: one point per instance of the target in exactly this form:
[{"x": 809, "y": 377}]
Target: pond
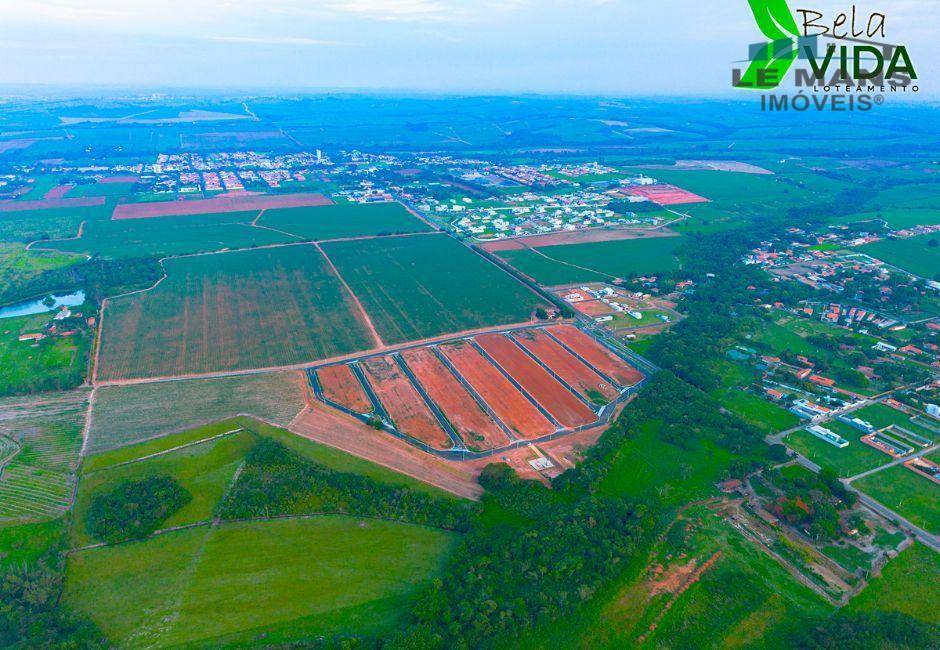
[{"x": 40, "y": 305}]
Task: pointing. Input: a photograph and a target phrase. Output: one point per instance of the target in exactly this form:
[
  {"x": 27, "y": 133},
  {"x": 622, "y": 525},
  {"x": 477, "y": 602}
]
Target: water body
[{"x": 37, "y": 306}]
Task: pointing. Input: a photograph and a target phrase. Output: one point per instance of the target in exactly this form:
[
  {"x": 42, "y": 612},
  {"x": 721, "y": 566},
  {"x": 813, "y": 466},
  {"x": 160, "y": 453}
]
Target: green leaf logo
[{"x": 770, "y": 63}]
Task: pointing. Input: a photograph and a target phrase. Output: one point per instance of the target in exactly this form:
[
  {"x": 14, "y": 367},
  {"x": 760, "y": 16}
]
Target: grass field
[
  {"x": 128, "y": 414},
  {"x": 36, "y": 484},
  {"x": 101, "y": 189},
  {"x": 249, "y": 582},
  {"x": 54, "y": 363},
  {"x": 250, "y": 309},
  {"x": 739, "y": 599},
  {"x": 344, "y": 220},
  {"x": 910, "y": 495},
  {"x": 205, "y": 470},
  {"x": 18, "y": 266},
  {"x": 24, "y": 543},
  {"x": 162, "y": 236},
  {"x": 848, "y": 461},
  {"x": 882, "y": 415},
  {"x": 919, "y": 255},
  {"x": 646, "y": 465},
  {"x": 909, "y": 584},
  {"x": 30, "y": 225},
  {"x": 759, "y": 413},
  {"x": 898, "y": 218},
  {"x": 552, "y": 265},
  {"x": 416, "y": 287}
]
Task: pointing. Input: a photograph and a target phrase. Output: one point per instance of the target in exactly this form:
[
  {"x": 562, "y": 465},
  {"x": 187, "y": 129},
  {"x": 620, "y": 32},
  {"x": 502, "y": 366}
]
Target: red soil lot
[
  {"x": 547, "y": 391},
  {"x": 507, "y": 402},
  {"x": 592, "y": 308},
  {"x": 43, "y": 204},
  {"x": 667, "y": 194},
  {"x": 464, "y": 414},
  {"x": 340, "y": 385},
  {"x": 231, "y": 203},
  {"x": 564, "y": 364},
  {"x": 596, "y": 354},
  {"x": 58, "y": 192},
  {"x": 403, "y": 403}
]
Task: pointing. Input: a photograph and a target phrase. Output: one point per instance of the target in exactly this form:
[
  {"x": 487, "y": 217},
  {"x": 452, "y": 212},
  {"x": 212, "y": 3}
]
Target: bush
[{"x": 134, "y": 509}]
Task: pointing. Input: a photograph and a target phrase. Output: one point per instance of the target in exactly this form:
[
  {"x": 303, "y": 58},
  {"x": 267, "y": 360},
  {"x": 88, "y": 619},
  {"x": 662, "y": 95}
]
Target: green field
[
  {"x": 205, "y": 470},
  {"x": 108, "y": 190},
  {"x": 256, "y": 582},
  {"x": 55, "y": 223},
  {"x": 919, "y": 255},
  {"x": 848, "y": 461},
  {"x": 53, "y": 363},
  {"x": 248, "y": 309},
  {"x": 552, "y": 265},
  {"x": 646, "y": 465},
  {"x": 344, "y": 220},
  {"x": 882, "y": 415},
  {"x": 759, "y": 413},
  {"x": 422, "y": 286},
  {"x": 897, "y": 218},
  {"x": 18, "y": 266},
  {"x": 36, "y": 484},
  {"x": 162, "y": 236},
  {"x": 128, "y": 414},
  {"x": 911, "y": 495},
  {"x": 909, "y": 584}
]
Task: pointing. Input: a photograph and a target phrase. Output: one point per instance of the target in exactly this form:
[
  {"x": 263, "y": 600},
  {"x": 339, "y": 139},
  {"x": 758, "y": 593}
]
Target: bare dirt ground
[
  {"x": 42, "y": 204},
  {"x": 238, "y": 203},
  {"x": 583, "y": 236},
  {"x": 322, "y": 424}
]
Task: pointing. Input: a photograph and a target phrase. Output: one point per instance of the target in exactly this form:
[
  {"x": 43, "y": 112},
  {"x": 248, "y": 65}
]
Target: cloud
[{"x": 276, "y": 40}]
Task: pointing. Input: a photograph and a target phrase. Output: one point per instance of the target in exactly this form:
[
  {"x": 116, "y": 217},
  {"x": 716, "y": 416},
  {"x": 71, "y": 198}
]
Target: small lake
[{"x": 37, "y": 306}]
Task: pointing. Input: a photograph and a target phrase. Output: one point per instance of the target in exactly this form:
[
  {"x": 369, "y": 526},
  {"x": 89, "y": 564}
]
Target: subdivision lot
[
  {"x": 220, "y": 204},
  {"x": 340, "y": 385},
  {"x": 169, "y": 236},
  {"x": 909, "y": 494},
  {"x": 426, "y": 285},
  {"x": 474, "y": 426},
  {"x": 555, "y": 265},
  {"x": 509, "y": 405},
  {"x": 596, "y": 354},
  {"x": 403, "y": 403},
  {"x": 295, "y": 578},
  {"x": 344, "y": 220},
  {"x": 567, "y": 366},
  {"x": 128, "y": 414},
  {"x": 667, "y": 194},
  {"x": 249, "y": 309},
  {"x": 537, "y": 382}
]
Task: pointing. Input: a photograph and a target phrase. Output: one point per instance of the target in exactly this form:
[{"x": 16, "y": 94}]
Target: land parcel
[
  {"x": 344, "y": 220},
  {"x": 231, "y": 311},
  {"x": 427, "y": 285},
  {"x": 554, "y": 265}
]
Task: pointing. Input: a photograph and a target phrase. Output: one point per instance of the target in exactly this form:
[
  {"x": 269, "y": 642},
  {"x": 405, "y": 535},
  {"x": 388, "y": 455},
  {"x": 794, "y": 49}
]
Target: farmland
[
  {"x": 242, "y": 580},
  {"x": 919, "y": 255},
  {"x": 427, "y": 285},
  {"x": 128, "y": 414},
  {"x": 250, "y": 309},
  {"x": 52, "y": 223},
  {"x": 343, "y": 220},
  {"x": 910, "y": 584},
  {"x": 36, "y": 484},
  {"x": 555, "y": 265},
  {"x": 163, "y": 236}
]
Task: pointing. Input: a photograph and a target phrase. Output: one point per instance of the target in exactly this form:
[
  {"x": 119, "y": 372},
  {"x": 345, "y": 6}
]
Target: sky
[{"x": 641, "y": 47}]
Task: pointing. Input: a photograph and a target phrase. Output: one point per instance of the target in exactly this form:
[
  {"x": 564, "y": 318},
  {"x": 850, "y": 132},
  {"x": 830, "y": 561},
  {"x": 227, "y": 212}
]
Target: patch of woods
[
  {"x": 98, "y": 277},
  {"x": 276, "y": 481},
  {"x": 135, "y": 509}
]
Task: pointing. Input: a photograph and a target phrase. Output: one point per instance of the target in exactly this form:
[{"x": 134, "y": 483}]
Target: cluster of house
[{"x": 57, "y": 326}]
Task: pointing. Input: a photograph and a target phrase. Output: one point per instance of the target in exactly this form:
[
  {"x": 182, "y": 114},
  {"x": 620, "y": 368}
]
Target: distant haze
[{"x": 594, "y": 46}]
